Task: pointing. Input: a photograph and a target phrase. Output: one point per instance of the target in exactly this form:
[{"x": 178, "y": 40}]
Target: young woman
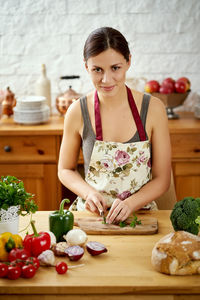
[{"x": 123, "y": 134}]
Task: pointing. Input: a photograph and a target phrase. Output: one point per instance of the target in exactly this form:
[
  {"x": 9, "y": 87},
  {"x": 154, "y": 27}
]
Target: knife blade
[{"x": 102, "y": 215}]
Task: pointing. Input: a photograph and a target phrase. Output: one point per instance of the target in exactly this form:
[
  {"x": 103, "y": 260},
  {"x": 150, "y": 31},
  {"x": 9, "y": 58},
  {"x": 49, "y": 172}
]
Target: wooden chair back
[{"x": 168, "y": 200}]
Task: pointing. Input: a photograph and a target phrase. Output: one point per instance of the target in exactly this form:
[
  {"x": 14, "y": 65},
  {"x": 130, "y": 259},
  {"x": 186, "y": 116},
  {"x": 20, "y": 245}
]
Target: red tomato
[
  {"x": 18, "y": 262},
  {"x": 14, "y": 272},
  {"x": 33, "y": 261},
  {"x": 28, "y": 271},
  {"x": 3, "y": 270},
  {"x": 17, "y": 253},
  {"x": 61, "y": 267}
]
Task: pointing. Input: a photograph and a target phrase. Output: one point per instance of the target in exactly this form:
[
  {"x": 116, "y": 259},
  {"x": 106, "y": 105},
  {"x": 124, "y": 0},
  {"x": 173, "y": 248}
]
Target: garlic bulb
[
  {"x": 47, "y": 258},
  {"x": 76, "y": 237},
  {"x": 53, "y": 237}
]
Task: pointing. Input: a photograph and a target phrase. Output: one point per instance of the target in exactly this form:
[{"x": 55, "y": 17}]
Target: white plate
[{"x": 32, "y": 116}]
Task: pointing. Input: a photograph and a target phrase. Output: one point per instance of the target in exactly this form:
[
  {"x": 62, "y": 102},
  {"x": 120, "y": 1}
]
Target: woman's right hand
[{"x": 95, "y": 202}]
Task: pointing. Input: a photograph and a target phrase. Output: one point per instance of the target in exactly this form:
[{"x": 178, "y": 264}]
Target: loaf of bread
[{"x": 177, "y": 253}]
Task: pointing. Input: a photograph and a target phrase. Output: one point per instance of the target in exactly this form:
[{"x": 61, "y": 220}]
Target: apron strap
[
  {"x": 136, "y": 116},
  {"x": 98, "y": 125}
]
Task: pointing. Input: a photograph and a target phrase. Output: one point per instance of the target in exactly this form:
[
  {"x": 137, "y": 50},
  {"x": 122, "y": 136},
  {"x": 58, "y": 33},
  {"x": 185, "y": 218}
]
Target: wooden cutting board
[{"x": 94, "y": 225}]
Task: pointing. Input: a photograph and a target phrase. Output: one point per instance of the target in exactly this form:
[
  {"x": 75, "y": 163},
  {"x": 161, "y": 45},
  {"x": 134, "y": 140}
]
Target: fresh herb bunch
[
  {"x": 133, "y": 223},
  {"x": 12, "y": 192}
]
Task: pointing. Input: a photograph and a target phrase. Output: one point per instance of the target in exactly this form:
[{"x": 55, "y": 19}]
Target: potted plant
[{"x": 14, "y": 201}]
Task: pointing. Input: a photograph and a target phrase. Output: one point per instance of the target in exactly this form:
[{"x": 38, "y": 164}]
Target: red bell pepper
[{"x": 36, "y": 243}]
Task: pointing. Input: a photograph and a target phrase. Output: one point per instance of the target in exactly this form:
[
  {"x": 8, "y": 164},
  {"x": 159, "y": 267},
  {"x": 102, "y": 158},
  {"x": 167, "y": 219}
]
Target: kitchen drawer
[
  {"x": 185, "y": 145},
  {"x": 28, "y": 149}
]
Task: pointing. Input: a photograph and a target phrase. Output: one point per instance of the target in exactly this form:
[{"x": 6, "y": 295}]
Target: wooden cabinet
[
  {"x": 31, "y": 154},
  {"x": 39, "y": 179},
  {"x": 185, "y": 141}
]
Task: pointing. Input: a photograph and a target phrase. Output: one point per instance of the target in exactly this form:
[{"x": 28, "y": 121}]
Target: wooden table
[{"x": 124, "y": 272}]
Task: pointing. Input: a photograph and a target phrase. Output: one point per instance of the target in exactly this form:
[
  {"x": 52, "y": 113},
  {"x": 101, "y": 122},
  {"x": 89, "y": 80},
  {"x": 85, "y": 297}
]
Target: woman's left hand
[{"x": 120, "y": 211}]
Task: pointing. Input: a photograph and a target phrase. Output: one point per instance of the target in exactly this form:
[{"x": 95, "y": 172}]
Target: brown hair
[{"x": 104, "y": 38}]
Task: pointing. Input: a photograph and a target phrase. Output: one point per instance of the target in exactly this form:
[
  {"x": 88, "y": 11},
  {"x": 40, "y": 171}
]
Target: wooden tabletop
[{"x": 124, "y": 272}]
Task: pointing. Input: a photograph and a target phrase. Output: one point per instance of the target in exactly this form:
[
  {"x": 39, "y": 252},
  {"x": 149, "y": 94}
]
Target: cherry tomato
[
  {"x": 61, "y": 267},
  {"x": 13, "y": 272},
  {"x": 17, "y": 253},
  {"x": 18, "y": 262},
  {"x": 3, "y": 270},
  {"x": 33, "y": 261},
  {"x": 28, "y": 271}
]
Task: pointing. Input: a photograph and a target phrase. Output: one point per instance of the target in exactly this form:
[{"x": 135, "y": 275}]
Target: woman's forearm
[
  {"x": 73, "y": 181},
  {"x": 149, "y": 192}
]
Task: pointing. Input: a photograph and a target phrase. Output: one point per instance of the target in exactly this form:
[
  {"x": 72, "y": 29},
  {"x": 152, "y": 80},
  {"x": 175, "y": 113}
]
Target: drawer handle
[
  {"x": 197, "y": 150},
  {"x": 7, "y": 148},
  {"x": 41, "y": 152}
]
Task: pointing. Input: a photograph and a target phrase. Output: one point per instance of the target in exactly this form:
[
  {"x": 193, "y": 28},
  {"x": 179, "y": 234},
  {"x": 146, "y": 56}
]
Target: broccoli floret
[{"x": 185, "y": 215}]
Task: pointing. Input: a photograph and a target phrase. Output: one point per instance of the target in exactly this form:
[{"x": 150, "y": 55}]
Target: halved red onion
[
  {"x": 74, "y": 252},
  {"x": 95, "y": 248}
]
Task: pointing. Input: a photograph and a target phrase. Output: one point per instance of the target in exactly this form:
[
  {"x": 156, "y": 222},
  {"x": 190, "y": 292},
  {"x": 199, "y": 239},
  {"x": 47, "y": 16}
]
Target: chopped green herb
[
  {"x": 122, "y": 224},
  {"x": 104, "y": 220},
  {"x": 133, "y": 224},
  {"x": 135, "y": 221}
]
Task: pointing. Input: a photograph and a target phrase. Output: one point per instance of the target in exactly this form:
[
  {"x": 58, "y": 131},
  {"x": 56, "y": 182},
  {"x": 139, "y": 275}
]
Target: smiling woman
[
  {"x": 123, "y": 133},
  {"x": 108, "y": 71}
]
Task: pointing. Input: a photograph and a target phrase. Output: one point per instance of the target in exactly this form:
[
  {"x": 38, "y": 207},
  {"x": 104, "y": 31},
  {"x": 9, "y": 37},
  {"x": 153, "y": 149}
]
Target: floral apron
[{"x": 118, "y": 170}]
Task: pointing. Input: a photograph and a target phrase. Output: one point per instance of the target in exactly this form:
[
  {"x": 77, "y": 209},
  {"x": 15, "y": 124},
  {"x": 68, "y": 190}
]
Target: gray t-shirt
[{"x": 89, "y": 137}]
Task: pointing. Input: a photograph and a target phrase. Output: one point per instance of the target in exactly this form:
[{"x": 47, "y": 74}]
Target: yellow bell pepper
[{"x": 8, "y": 241}]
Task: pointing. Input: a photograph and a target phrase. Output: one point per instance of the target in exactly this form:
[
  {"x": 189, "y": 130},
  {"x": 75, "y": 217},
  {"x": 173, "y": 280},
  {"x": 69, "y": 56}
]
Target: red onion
[
  {"x": 74, "y": 252},
  {"x": 95, "y": 248}
]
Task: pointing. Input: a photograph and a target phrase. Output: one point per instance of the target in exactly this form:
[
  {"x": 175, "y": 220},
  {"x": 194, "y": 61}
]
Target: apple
[
  {"x": 180, "y": 86},
  {"x": 152, "y": 86},
  {"x": 166, "y": 89},
  {"x": 169, "y": 83},
  {"x": 186, "y": 80}
]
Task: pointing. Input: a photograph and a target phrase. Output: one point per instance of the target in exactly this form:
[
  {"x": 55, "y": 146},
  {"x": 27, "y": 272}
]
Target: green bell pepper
[{"x": 61, "y": 221}]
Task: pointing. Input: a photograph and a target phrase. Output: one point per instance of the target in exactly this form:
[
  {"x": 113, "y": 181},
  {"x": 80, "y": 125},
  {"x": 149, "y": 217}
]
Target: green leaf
[
  {"x": 133, "y": 224},
  {"x": 12, "y": 192},
  {"x": 122, "y": 224}
]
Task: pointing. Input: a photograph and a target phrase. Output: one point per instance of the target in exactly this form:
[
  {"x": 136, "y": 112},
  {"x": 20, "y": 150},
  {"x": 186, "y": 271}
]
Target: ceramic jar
[
  {"x": 9, "y": 220},
  {"x": 8, "y": 103}
]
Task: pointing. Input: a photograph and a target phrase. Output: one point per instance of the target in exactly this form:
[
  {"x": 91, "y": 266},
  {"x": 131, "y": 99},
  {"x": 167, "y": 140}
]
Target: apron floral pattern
[{"x": 118, "y": 170}]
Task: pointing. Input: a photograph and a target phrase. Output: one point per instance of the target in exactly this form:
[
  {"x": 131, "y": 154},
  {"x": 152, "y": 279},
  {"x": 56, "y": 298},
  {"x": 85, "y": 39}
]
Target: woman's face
[{"x": 108, "y": 71}]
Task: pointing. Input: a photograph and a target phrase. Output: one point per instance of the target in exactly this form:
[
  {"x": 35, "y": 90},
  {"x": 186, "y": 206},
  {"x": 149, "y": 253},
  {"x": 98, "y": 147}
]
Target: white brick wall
[{"x": 164, "y": 38}]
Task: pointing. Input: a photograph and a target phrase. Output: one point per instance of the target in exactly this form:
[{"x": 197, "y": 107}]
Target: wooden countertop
[
  {"x": 53, "y": 127},
  {"x": 125, "y": 270},
  {"x": 187, "y": 123}
]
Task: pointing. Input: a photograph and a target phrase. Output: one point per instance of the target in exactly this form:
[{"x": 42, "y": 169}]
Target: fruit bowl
[{"x": 171, "y": 100}]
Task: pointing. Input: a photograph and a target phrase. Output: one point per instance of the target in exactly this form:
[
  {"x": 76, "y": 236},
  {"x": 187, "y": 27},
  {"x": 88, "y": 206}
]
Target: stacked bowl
[{"x": 31, "y": 110}]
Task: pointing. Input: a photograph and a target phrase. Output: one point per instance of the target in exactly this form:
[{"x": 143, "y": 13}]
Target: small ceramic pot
[{"x": 9, "y": 220}]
